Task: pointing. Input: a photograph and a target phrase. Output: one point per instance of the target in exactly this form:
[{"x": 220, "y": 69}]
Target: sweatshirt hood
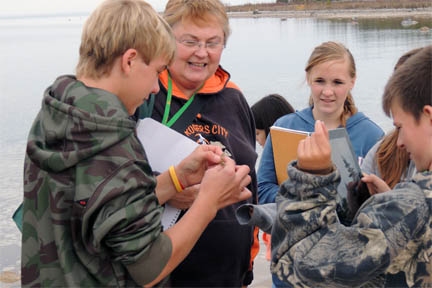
[
  {"x": 307, "y": 116},
  {"x": 217, "y": 82},
  {"x": 355, "y": 119},
  {"x": 75, "y": 123}
]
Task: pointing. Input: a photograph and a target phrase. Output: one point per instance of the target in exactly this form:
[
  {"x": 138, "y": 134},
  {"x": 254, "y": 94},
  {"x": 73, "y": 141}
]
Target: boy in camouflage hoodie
[{"x": 92, "y": 207}]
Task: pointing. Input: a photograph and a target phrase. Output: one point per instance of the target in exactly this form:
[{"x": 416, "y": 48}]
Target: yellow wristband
[{"x": 174, "y": 179}]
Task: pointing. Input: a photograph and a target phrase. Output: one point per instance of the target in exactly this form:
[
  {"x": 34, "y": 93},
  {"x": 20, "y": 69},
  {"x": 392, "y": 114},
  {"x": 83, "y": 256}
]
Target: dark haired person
[{"x": 266, "y": 111}]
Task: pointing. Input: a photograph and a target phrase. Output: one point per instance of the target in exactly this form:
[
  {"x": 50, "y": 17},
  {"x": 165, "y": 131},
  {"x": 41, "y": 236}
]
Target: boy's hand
[
  {"x": 225, "y": 184},
  {"x": 185, "y": 199},
  {"x": 314, "y": 152},
  {"x": 191, "y": 169}
]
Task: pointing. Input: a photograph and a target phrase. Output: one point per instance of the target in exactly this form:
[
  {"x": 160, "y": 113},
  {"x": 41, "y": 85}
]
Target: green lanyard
[{"x": 168, "y": 105}]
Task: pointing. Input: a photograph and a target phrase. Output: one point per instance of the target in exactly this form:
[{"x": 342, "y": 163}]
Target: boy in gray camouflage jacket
[
  {"x": 92, "y": 206},
  {"x": 389, "y": 243}
]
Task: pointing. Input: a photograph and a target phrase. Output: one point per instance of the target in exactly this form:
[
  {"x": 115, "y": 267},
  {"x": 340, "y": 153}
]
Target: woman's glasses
[{"x": 211, "y": 46}]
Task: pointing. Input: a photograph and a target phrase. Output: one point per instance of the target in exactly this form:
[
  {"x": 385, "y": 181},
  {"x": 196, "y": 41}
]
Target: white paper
[{"x": 164, "y": 147}]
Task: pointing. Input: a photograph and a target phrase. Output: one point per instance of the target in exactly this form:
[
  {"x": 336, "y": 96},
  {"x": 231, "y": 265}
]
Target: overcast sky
[{"x": 20, "y": 7}]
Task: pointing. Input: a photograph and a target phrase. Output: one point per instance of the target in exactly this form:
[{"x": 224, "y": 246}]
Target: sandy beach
[
  {"x": 262, "y": 275},
  {"x": 339, "y": 14}
]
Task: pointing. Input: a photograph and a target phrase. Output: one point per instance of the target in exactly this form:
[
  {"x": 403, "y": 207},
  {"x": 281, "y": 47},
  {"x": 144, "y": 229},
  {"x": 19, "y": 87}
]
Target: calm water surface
[{"x": 263, "y": 55}]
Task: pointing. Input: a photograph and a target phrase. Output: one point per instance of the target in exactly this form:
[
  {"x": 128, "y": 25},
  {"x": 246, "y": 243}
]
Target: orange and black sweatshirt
[{"x": 223, "y": 255}]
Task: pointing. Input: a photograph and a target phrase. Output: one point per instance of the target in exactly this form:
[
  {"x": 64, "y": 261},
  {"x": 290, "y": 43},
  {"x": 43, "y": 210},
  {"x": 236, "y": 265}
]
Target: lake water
[{"x": 263, "y": 55}]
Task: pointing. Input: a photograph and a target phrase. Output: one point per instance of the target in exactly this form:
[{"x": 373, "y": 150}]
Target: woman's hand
[
  {"x": 191, "y": 169},
  {"x": 185, "y": 199},
  {"x": 314, "y": 152},
  {"x": 375, "y": 184}
]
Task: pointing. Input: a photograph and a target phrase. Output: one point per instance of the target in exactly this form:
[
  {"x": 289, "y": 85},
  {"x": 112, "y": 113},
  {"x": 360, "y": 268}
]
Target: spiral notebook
[{"x": 164, "y": 147}]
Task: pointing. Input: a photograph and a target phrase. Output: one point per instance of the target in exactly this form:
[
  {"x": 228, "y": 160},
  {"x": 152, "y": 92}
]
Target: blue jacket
[{"x": 362, "y": 131}]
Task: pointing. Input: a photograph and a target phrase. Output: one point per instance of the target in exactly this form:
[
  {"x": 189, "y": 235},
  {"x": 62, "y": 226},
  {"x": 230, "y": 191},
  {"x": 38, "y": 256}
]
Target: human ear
[
  {"x": 353, "y": 80},
  {"x": 427, "y": 111},
  {"x": 127, "y": 60}
]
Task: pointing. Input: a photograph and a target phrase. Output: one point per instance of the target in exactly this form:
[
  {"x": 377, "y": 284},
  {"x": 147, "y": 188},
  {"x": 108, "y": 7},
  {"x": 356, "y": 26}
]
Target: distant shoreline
[{"x": 338, "y": 14}]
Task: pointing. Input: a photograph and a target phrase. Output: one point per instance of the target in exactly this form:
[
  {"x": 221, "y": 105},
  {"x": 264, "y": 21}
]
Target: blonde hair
[
  {"x": 116, "y": 26},
  {"x": 330, "y": 51},
  {"x": 200, "y": 12}
]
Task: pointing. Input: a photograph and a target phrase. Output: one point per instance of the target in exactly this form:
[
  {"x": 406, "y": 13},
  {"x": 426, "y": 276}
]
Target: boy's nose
[{"x": 156, "y": 87}]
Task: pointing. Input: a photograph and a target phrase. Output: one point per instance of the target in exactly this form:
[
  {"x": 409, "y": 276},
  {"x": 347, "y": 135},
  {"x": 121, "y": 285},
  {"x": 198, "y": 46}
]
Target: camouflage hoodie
[
  {"x": 389, "y": 243},
  {"x": 90, "y": 213}
]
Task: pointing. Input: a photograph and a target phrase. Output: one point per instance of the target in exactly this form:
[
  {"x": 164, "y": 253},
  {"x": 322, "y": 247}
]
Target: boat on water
[{"x": 408, "y": 22}]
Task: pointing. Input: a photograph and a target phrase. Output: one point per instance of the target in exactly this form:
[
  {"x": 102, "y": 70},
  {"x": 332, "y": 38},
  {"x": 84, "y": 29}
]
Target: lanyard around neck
[{"x": 168, "y": 105}]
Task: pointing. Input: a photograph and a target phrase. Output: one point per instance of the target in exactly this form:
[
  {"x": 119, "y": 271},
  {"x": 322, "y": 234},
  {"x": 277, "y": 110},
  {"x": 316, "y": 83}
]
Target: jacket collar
[
  {"x": 307, "y": 115},
  {"x": 218, "y": 81}
]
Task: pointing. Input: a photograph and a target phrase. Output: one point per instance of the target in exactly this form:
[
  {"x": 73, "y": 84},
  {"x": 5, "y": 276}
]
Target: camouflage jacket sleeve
[
  {"x": 262, "y": 215},
  {"x": 310, "y": 248},
  {"x": 122, "y": 218}
]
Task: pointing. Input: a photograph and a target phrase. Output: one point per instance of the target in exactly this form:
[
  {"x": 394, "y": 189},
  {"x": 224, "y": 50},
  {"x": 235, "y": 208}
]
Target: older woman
[{"x": 198, "y": 99}]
